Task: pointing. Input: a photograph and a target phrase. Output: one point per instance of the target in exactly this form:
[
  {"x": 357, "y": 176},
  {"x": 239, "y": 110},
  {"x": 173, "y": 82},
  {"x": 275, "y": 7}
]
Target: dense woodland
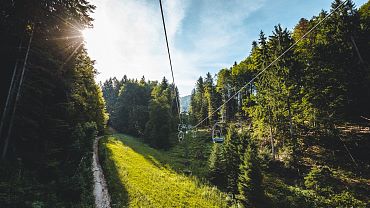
[
  {"x": 143, "y": 108},
  {"x": 309, "y": 95},
  {"x": 294, "y": 136},
  {"x": 46, "y": 155},
  {"x": 324, "y": 80}
]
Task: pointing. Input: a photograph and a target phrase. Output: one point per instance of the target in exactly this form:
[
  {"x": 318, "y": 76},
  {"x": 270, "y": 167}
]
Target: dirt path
[{"x": 102, "y": 199}]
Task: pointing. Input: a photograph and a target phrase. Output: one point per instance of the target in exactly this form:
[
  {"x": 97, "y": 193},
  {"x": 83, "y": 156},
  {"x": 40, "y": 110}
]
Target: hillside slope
[{"x": 137, "y": 178}]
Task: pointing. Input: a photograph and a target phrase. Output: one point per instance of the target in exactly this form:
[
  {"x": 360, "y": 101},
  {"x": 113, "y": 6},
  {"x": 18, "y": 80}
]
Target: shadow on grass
[
  {"x": 173, "y": 159},
  {"x": 117, "y": 190},
  {"x": 349, "y": 152},
  {"x": 155, "y": 156}
]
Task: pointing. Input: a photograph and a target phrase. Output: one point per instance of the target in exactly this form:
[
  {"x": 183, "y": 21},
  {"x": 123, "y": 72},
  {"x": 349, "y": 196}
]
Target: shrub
[
  {"x": 346, "y": 200},
  {"x": 321, "y": 180}
]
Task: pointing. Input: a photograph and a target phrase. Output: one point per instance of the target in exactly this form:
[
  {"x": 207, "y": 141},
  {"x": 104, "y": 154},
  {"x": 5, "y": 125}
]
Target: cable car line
[
  {"x": 273, "y": 62},
  {"x": 170, "y": 60}
]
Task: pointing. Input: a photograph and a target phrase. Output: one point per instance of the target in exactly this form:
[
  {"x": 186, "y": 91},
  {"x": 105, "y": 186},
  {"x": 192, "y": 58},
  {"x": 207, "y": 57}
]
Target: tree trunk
[
  {"x": 290, "y": 120},
  {"x": 11, "y": 121},
  {"x": 357, "y": 51},
  {"x": 272, "y": 143}
]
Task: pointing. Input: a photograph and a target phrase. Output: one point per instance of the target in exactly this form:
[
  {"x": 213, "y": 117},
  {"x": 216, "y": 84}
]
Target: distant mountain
[{"x": 185, "y": 103}]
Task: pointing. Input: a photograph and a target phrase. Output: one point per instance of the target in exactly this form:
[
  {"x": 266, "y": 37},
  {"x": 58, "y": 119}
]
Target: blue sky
[{"x": 204, "y": 35}]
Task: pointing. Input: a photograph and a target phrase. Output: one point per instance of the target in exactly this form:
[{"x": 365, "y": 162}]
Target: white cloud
[
  {"x": 128, "y": 38},
  {"x": 218, "y": 34}
]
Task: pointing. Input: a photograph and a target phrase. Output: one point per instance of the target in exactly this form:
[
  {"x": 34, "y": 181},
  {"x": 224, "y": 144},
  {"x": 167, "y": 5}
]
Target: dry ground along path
[{"x": 102, "y": 199}]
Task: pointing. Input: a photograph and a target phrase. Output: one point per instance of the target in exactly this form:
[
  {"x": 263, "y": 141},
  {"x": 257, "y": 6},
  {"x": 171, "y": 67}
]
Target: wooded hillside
[{"x": 288, "y": 126}]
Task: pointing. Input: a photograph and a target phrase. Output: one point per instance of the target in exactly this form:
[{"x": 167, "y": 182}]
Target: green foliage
[
  {"x": 320, "y": 179},
  {"x": 251, "y": 193},
  {"x": 284, "y": 195},
  {"x": 87, "y": 102},
  {"x": 225, "y": 159},
  {"x": 211, "y": 98},
  {"x": 321, "y": 82},
  {"x": 232, "y": 159},
  {"x": 130, "y": 107},
  {"x": 111, "y": 88},
  {"x": 60, "y": 109},
  {"x": 346, "y": 200},
  {"x": 161, "y": 117},
  {"x": 143, "y": 108},
  {"x": 145, "y": 180},
  {"x": 316, "y": 86},
  {"x": 226, "y": 89},
  {"x": 71, "y": 186},
  {"x": 198, "y": 105},
  {"x": 217, "y": 166}
]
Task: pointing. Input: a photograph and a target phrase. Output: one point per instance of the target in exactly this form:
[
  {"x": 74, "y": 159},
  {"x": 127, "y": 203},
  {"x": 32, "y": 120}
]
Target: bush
[
  {"x": 320, "y": 179},
  {"x": 346, "y": 200}
]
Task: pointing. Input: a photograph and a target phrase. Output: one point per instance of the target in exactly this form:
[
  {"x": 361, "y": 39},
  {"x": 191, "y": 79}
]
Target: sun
[
  {"x": 87, "y": 34},
  {"x": 94, "y": 40},
  {"x": 100, "y": 35}
]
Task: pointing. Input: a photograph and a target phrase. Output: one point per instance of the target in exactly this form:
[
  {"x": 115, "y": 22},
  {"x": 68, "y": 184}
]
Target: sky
[{"x": 204, "y": 35}]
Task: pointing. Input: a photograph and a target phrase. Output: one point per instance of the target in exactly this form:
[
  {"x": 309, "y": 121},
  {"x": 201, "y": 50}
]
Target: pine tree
[
  {"x": 232, "y": 156},
  {"x": 60, "y": 108},
  {"x": 217, "y": 166},
  {"x": 162, "y": 115},
  {"x": 225, "y": 88},
  {"x": 211, "y": 98},
  {"x": 250, "y": 188},
  {"x": 193, "y": 108}
]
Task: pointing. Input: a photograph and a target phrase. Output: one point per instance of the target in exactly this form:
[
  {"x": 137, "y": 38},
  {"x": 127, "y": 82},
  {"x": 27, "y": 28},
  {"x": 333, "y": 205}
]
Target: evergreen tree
[
  {"x": 161, "y": 116},
  {"x": 225, "y": 88},
  {"x": 59, "y": 109},
  {"x": 193, "y": 108},
  {"x": 217, "y": 166},
  {"x": 211, "y": 98},
  {"x": 232, "y": 156},
  {"x": 201, "y": 101},
  {"x": 250, "y": 188},
  {"x": 110, "y": 89}
]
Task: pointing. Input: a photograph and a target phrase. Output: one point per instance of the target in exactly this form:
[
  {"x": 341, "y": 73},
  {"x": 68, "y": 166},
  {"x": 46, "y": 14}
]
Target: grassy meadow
[{"x": 140, "y": 176}]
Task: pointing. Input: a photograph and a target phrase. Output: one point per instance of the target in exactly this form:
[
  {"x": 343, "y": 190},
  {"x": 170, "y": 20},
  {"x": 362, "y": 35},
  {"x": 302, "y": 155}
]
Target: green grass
[{"x": 140, "y": 176}]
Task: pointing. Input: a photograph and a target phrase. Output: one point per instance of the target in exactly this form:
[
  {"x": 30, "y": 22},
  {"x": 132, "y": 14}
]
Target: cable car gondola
[
  {"x": 182, "y": 127},
  {"x": 217, "y": 133},
  {"x": 181, "y": 136}
]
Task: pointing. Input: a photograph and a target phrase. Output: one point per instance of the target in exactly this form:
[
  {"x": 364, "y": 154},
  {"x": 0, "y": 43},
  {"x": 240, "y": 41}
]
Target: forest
[
  {"x": 143, "y": 108},
  {"x": 309, "y": 98},
  {"x": 55, "y": 107},
  {"x": 292, "y": 118}
]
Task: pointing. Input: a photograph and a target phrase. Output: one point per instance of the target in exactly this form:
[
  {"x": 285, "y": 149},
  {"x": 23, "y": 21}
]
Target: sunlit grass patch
[{"x": 147, "y": 182}]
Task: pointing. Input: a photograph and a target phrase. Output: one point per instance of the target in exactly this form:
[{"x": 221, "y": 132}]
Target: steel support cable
[
  {"x": 10, "y": 92},
  {"x": 169, "y": 58},
  {"x": 273, "y": 62},
  {"x": 17, "y": 96}
]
